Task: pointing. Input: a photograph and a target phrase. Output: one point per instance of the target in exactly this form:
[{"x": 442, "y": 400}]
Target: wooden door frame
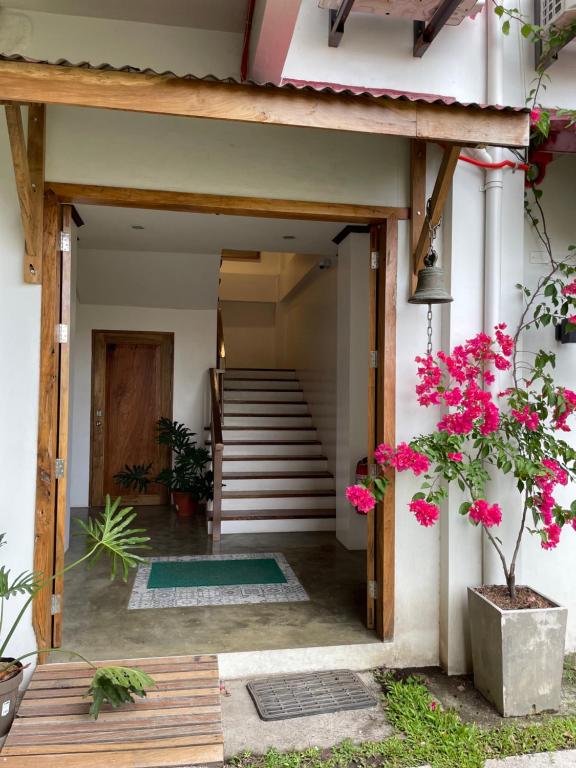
[
  {"x": 59, "y": 194},
  {"x": 100, "y": 338}
]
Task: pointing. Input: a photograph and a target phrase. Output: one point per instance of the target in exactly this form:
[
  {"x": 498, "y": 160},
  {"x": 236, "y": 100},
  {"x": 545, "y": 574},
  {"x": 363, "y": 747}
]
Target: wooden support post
[
  {"x": 28, "y": 165},
  {"x": 417, "y": 198},
  {"x": 425, "y": 33},
  {"x": 437, "y": 202},
  {"x": 36, "y": 162},
  {"x": 48, "y": 421},
  {"x": 386, "y": 425}
]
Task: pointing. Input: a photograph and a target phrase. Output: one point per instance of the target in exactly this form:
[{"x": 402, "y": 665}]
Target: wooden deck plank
[
  {"x": 165, "y": 661},
  {"x": 177, "y": 757},
  {"x": 178, "y": 724},
  {"x": 84, "y": 679}
]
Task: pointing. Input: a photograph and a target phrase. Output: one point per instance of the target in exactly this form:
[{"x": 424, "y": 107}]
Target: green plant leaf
[
  {"x": 117, "y": 686},
  {"x": 109, "y": 534}
]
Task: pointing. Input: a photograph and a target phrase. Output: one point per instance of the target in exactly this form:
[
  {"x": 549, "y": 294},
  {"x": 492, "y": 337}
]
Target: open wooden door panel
[
  {"x": 382, "y": 422},
  {"x": 51, "y": 483}
]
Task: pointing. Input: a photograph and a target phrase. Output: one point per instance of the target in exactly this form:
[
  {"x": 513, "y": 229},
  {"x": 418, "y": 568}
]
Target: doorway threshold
[{"x": 357, "y": 657}]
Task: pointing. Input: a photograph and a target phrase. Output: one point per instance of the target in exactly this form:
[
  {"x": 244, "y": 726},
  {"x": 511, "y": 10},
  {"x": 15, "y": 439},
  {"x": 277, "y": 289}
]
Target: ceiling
[
  {"x": 111, "y": 229},
  {"x": 220, "y": 15}
]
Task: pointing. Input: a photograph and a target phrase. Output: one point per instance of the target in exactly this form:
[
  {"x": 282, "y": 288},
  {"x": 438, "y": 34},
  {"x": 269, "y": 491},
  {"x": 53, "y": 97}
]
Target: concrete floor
[
  {"x": 97, "y": 623},
  {"x": 245, "y": 732}
]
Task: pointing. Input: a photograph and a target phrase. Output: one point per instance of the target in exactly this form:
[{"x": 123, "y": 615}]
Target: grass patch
[
  {"x": 428, "y": 734},
  {"x": 570, "y": 669}
]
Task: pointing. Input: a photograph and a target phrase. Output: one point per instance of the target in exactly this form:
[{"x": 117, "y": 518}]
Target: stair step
[
  {"x": 259, "y": 484},
  {"x": 269, "y": 500},
  {"x": 243, "y": 420},
  {"x": 282, "y": 385},
  {"x": 267, "y": 408},
  {"x": 259, "y": 463},
  {"x": 261, "y": 448},
  {"x": 260, "y": 373},
  {"x": 280, "y": 514},
  {"x": 266, "y": 434},
  {"x": 263, "y": 396}
]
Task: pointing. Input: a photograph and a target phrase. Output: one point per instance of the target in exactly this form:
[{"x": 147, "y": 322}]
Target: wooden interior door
[{"x": 131, "y": 389}]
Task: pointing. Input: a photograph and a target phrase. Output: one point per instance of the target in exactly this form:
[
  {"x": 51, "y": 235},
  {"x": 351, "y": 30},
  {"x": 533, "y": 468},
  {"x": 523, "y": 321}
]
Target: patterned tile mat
[{"x": 248, "y": 594}]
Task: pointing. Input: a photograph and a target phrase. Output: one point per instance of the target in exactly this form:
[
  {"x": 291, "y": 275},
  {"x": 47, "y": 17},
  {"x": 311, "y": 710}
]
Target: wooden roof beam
[
  {"x": 424, "y": 34},
  {"x": 437, "y": 202},
  {"x": 165, "y": 95},
  {"x": 336, "y": 21},
  {"x": 231, "y": 205},
  {"x": 28, "y": 162}
]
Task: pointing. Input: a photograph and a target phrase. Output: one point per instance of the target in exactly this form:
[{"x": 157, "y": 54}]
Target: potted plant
[
  {"x": 517, "y": 634},
  {"x": 188, "y": 478},
  {"x": 109, "y": 534}
]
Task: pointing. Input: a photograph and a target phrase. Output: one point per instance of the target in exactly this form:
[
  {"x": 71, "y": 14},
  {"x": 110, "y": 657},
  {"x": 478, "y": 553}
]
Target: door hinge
[
  {"x": 373, "y": 590},
  {"x": 56, "y": 605},
  {"x": 65, "y": 242},
  {"x": 59, "y": 468},
  {"x": 374, "y": 259},
  {"x": 62, "y": 333},
  {"x": 374, "y": 359}
]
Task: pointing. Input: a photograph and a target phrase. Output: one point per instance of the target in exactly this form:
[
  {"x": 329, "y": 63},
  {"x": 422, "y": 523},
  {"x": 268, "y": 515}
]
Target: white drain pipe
[{"x": 493, "y": 230}]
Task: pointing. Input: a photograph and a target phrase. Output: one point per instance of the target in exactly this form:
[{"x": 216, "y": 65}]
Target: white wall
[
  {"x": 148, "y": 278},
  {"x": 183, "y": 50},
  {"x": 553, "y": 571},
  {"x": 194, "y": 353},
  {"x": 307, "y": 320},
  {"x": 249, "y": 334},
  {"x": 19, "y": 351},
  {"x": 376, "y": 52}
]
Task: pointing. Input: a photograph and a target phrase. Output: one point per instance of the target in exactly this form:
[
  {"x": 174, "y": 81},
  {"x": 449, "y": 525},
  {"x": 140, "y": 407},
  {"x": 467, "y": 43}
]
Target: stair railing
[{"x": 217, "y": 455}]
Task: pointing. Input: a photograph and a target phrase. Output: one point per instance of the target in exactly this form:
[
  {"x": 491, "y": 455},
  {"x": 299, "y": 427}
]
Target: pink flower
[
  {"x": 384, "y": 455},
  {"x": 361, "y": 498},
  {"x": 552, "y": 536},
  {"x": 426, "y": 513},
  {"x": 535, "y": 115},
  {"x": 455, "y": 456},
  {"x": 433, "y": 706},
  {"x": 528, "y": 417},
  {"x": 481, "y": 512},
  {"x": 572, "y": 319},
  {"x": 570, "y": 289},
  {"x": 407, "y": 458}
]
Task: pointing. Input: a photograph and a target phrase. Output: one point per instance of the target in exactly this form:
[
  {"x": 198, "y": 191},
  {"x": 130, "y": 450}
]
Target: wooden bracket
[
  {"x": 425, "y": 33},
  {"x": 437, "y": 202},
  {"x": 28, "y": 161},
  {"x": 336, "y": 21},
  {"x": 417, "y": 197}
]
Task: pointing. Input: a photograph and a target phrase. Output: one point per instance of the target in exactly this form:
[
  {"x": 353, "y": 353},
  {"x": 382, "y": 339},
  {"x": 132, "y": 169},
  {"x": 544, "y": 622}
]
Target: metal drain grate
[{"x": 279, "y": 698}]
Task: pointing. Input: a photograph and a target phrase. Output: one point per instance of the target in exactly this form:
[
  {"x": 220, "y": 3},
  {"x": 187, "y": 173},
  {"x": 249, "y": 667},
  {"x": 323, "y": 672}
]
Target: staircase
[{"x": 274, "y": 473}]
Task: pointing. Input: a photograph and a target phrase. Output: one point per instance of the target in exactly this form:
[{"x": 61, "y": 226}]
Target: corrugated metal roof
[{"x": 287, "y": 84}]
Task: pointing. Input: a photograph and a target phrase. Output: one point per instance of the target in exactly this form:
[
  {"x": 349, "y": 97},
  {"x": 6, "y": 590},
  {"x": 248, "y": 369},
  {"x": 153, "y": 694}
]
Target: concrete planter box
[{"x": 518, "y": 656}]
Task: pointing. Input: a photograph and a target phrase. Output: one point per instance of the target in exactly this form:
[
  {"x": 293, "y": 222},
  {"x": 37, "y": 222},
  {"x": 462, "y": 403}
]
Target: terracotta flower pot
[
  {"x": 185, "y": 505},
  {"x": 9, "y": 698}
]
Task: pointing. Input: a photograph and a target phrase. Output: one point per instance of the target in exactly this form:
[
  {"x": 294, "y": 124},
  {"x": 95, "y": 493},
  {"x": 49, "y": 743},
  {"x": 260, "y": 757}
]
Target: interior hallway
[{"x": 97, "y": 623}]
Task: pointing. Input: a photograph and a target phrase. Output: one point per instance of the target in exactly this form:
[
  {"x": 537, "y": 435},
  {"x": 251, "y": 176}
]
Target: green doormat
[
  {"x": 214, "y": 573},
  {"x": 197, "y": 580}
]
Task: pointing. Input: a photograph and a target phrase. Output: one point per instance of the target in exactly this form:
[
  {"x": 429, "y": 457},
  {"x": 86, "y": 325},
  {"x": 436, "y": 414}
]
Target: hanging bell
[{"x": 430, "y": 288}]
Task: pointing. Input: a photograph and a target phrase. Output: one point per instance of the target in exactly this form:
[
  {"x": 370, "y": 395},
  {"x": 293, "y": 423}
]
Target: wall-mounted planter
[{"x": 518, "y": 655}]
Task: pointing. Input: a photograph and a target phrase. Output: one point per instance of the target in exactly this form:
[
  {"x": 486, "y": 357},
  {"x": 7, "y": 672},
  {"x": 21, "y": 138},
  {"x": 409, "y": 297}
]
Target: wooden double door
[{"x": 132, "y": 374}]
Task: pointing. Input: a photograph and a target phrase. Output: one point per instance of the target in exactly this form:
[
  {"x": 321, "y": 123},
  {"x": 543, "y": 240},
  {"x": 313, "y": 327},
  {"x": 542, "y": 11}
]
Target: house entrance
[{"x": 171, "y": 310}]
